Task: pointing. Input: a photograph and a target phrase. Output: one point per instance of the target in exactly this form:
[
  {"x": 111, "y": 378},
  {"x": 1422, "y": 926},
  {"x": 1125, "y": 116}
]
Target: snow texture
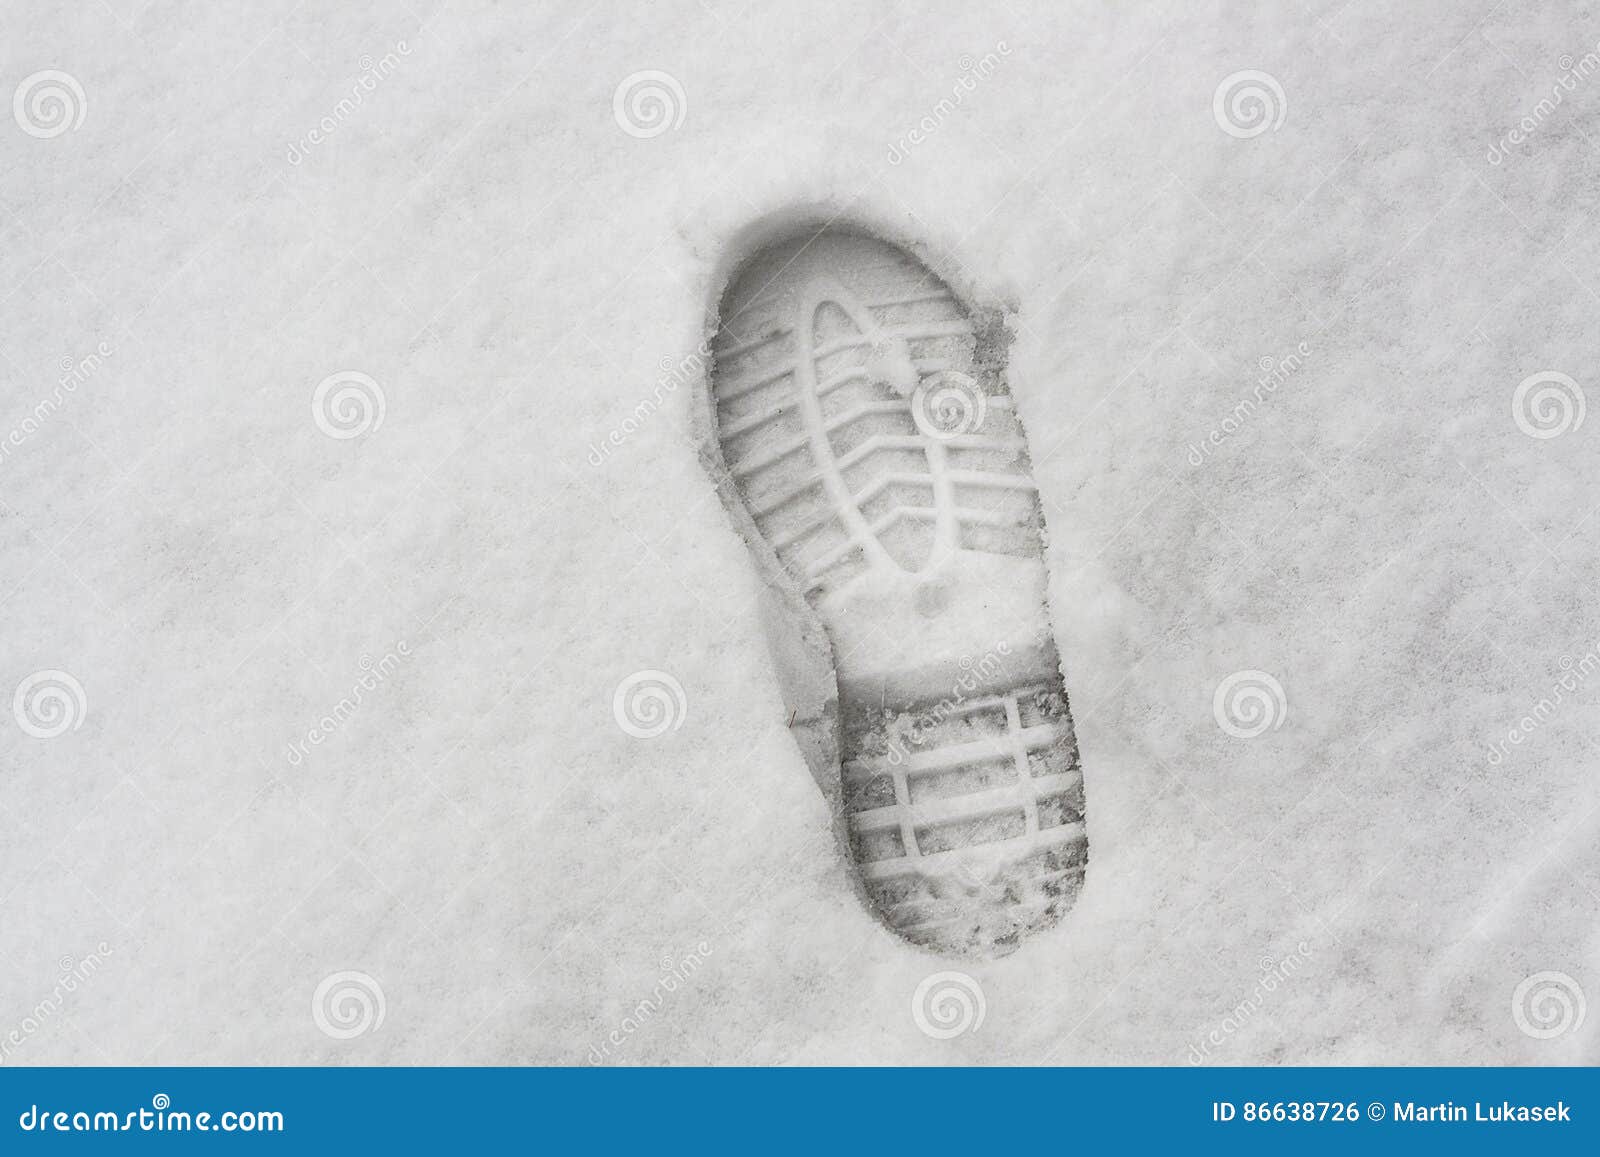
[{"x": 483, "y": 216}]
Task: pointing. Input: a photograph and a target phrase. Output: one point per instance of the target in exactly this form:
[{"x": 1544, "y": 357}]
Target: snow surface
[{"x": 517, "y": 274}]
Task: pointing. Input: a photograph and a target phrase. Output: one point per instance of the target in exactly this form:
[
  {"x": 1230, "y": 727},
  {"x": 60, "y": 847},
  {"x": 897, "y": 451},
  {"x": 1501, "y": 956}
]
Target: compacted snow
[{"x": 389, "y": 684}]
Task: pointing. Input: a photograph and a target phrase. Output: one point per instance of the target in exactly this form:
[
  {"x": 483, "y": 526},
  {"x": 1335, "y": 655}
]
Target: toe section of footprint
[{"x": 865, "y": 424}]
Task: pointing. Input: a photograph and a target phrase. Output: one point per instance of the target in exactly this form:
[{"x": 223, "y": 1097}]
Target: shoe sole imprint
[{"x": 864, "y": 436}]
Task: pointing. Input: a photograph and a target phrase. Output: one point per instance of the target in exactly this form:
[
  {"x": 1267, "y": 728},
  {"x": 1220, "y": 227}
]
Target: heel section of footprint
[{"x": 871, "y": 454}]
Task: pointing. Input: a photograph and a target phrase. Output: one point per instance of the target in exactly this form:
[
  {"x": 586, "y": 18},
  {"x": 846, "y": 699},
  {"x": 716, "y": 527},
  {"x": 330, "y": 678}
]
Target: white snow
[{"x": 519, "y": 276}]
